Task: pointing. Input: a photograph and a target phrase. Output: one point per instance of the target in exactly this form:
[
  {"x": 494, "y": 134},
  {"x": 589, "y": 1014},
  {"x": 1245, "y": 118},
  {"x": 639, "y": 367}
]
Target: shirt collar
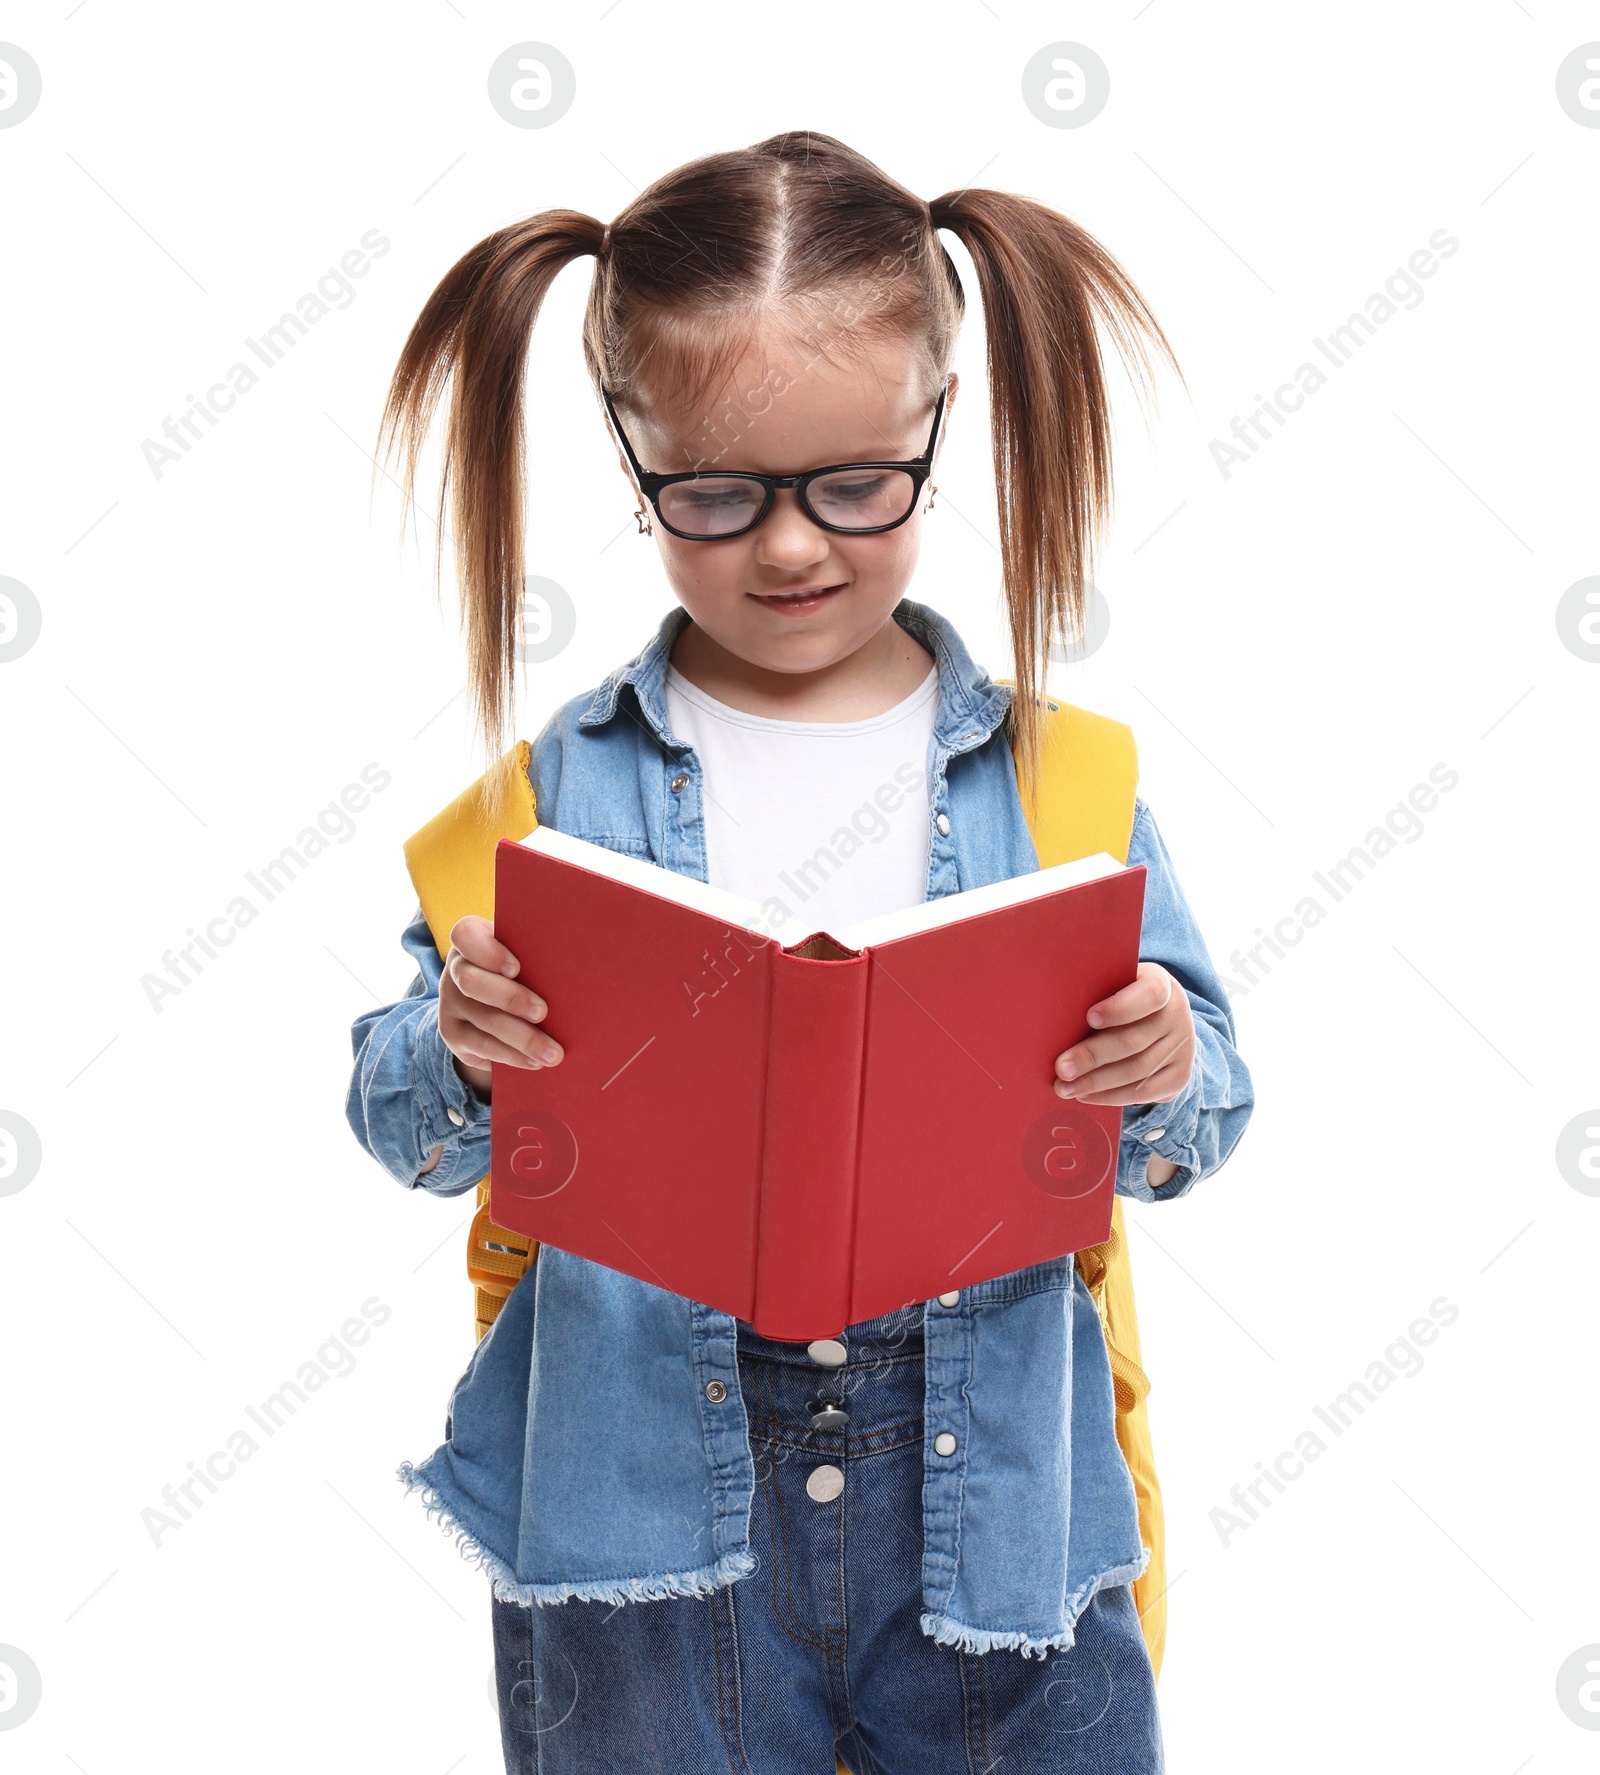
[{"x": 971, "y": 704}]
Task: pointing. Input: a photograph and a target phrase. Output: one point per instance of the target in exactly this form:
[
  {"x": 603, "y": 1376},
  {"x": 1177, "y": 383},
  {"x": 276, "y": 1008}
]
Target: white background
[{"x": 1295, "y": 644}]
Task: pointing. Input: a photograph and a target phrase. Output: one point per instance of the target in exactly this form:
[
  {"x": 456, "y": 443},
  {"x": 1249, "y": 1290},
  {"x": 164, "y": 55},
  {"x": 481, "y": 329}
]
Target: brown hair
[{"x": 687, "y": 272}]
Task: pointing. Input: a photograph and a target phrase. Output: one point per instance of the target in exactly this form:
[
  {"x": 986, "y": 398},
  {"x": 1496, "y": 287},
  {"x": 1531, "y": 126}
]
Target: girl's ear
[{"x": 641, "y": 516}]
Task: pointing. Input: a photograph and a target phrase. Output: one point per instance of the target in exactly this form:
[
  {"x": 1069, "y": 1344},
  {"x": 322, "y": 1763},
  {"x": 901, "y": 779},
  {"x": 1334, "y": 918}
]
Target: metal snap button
[
  {"x": 828, "y": 1351},
  {"x": 716, "y": 1392},
  {"x": 943, "y": 823},
  {"x": 680, "y": 782},
  {"x": 455, "y": 1116},
  {"x": 950, "y": 1300},
  {"x": 829, "y": 1416},
  {"x": 944, "y": 1443},
  {"x": 1154, "y": 1134},
  {"x": 825, "y": 1483}
]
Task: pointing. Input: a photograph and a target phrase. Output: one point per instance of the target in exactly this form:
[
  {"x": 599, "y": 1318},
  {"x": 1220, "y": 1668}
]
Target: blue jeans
[{"x": 818, "y": 1652}]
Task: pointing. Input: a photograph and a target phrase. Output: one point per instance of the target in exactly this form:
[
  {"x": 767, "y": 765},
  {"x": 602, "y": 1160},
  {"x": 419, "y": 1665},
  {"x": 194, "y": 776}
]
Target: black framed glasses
[{"x": 851, "y": 498}]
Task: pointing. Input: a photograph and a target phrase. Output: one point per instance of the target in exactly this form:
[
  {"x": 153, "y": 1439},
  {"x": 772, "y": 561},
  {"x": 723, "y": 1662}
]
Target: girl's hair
[{"x": 801, "y": 228}]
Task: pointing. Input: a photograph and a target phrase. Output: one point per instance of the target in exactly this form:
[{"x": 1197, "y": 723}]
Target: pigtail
[
  {"x": 473, "y": 333},
  {"x": 1046, "y": 284}
]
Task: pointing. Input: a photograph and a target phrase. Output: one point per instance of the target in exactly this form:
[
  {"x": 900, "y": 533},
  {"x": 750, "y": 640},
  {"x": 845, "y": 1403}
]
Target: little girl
[{"x": 711, "y": 1550}]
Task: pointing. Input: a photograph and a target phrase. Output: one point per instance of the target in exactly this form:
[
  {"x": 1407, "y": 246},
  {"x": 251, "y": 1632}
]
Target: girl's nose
[{"x": 787, "y": 537}]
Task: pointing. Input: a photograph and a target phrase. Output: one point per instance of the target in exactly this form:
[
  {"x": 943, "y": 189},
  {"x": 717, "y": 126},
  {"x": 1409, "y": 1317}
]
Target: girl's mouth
[{"x": 800, "y": 603}]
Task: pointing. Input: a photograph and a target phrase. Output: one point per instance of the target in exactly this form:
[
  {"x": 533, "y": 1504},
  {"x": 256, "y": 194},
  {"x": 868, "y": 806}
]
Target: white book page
[
  {"x": 952, "y": 908},
  {"x": 665, "y": 884},
  {"x": 684, "y": 890}
]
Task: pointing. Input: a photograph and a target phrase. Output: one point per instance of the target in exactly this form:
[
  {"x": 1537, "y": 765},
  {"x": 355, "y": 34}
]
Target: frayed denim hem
[
  {"x": 507, "y": 1588},
  {"x": 944, "y": 1630}
]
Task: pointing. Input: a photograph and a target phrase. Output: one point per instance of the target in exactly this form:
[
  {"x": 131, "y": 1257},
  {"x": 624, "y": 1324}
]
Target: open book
[{"x": 811, "y": 1134}]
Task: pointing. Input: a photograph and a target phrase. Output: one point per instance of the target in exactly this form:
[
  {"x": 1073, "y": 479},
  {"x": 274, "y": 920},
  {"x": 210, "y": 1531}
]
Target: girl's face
[{"x": 790, "y": 597}]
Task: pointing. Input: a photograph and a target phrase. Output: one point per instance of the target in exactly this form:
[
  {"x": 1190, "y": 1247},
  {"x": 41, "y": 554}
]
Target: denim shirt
[{"x": 586, "y": 1452}]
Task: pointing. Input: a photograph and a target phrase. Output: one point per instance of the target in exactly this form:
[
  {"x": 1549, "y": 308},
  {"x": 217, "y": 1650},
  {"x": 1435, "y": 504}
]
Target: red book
[{"x": 812, "y": 1134}]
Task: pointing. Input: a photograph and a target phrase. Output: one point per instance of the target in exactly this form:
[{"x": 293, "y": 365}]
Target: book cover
[{"x": 811, "y": 1134}]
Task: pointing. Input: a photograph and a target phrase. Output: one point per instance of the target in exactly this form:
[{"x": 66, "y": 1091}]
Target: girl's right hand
[{"x": 484, "y": 1014}]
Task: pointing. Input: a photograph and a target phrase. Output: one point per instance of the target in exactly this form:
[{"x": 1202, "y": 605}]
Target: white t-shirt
[{"x": 820, "y": 823}]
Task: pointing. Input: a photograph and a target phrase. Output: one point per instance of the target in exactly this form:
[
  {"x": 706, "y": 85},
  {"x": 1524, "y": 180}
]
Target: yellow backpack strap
[
  {"x": 451, "y": 860},
  {"x": 1089, "y": 772}
]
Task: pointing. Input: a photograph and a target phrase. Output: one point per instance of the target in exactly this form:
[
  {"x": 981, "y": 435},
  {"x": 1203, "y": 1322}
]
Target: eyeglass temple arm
[
  {"x": 622, "y": 438},
  {"x": 938, "y": 418}
]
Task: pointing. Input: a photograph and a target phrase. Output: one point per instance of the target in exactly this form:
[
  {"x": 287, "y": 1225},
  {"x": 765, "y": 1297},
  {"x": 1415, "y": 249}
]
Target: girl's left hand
[{"x": 1147, "y": 1051}]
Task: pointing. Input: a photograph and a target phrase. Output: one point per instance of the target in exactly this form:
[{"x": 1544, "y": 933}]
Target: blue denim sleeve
[
  {"x": 406, "y": 1096},
  {"x": 1199, "y": 1127}
]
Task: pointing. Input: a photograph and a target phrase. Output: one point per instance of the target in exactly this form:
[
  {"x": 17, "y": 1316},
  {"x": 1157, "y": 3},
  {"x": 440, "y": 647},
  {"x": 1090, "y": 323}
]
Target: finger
[
  {"x": 1162, "y": 1087},
  {"x": 512, "y": 1032},
  {"x": 476, "y": 1047},
  {"x": 1115, "y": 1044},
  {"x": 1159, "y": 1085},
  {"x": 1098, "y": 1049},
  {"x": 1167, "y": 1049},
  {"x": 476, "y": 940},
  {"x": 1134, "y": 1068},
  {"x": 1149, "y": 992},
  {"x": 489, "y": 988}
]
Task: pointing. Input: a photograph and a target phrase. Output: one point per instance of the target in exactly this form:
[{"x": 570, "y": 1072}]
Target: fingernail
[
  {"x": 1066, "y": 1069},
  {"x": 1065, "y": 1090},
  {"x": 511, "y": 967}
]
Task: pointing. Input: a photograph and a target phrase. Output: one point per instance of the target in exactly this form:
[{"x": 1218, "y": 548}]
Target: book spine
[{"x": 816, "y": 1054}]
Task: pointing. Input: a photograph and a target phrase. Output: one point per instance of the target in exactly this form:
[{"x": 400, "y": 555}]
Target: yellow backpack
[{"x": 1085, "y": 804}]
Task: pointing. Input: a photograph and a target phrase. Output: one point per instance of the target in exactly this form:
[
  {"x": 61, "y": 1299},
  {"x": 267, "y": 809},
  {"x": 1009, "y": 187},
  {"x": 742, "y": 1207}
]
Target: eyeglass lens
[{"x": 853, "y": 499}]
